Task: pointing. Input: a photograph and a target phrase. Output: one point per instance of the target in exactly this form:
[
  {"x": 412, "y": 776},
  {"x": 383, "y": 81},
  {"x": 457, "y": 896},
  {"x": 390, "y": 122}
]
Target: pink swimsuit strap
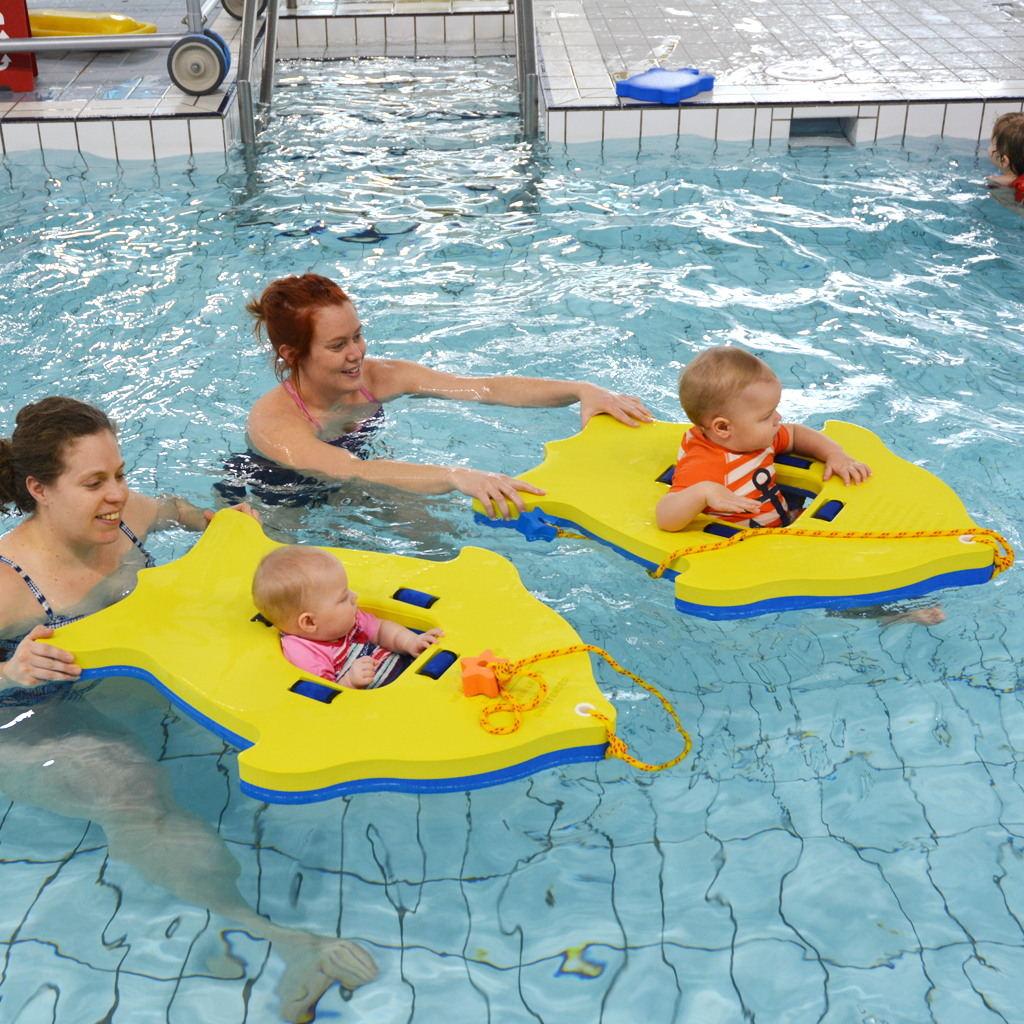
[{"x": 290, "y": 388}]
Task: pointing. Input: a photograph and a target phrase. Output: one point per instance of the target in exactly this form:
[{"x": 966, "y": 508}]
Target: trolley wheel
[
  {"x": 224, "y": 46},
  {"x": 234, "y": 8},
  {"x": 196, "y": 65}
]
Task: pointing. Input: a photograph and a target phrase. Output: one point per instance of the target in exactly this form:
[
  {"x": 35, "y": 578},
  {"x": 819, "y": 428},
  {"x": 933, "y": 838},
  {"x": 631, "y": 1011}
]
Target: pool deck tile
[{"x": 961, "y": 62}]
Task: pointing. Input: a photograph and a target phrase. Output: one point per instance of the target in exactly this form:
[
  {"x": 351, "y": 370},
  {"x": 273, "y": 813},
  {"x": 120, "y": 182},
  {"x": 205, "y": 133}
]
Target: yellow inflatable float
[
  {"x": 55, "y": 22},
  {"x": 901, "y": 534},
  {"x": 189, "y": 628}
]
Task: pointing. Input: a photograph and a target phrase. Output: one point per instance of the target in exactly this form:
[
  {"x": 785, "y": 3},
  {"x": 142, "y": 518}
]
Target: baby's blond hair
[
  {"x": 712, "y": 379},
  {"x": 286, "y": 579}
]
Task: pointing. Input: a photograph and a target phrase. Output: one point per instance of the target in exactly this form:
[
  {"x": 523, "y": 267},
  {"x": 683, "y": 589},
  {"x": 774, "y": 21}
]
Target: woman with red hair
[{"x": 331, "y": 396}]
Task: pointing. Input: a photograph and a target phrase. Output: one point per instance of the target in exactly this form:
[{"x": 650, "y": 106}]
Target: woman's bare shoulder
[
  {"x": 16, "y": 600},
  {"x": 389, "y": 378},
  {"x": 275, "y": 404}
]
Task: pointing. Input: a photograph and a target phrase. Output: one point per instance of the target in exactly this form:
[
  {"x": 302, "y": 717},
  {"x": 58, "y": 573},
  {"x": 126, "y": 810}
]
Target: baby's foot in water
[
  {"x": 921, "y": 616},
  {"x": 315, "y": 963}
]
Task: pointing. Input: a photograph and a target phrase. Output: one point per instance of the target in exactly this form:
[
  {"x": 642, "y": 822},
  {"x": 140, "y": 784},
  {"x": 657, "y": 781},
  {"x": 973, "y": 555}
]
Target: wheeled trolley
[{"x": 197, "y": 61}]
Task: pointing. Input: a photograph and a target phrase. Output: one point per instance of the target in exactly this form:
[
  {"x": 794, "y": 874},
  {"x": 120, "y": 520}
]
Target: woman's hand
[
  {"x": 625, "y": 408},
  {"x": 244, "y": 507},
  {"x": 494, "y": 490},
  {"x": 33, "y": 663}
]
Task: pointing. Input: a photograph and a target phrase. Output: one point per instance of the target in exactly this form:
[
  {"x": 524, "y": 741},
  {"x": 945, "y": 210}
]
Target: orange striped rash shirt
[{"x": 700, "y": 460}]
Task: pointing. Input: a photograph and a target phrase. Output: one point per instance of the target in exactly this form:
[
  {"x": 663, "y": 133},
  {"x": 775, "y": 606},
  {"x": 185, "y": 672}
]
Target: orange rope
[
  {"x": 504, "y": 672},
  {"x": 994, "y": 540}
]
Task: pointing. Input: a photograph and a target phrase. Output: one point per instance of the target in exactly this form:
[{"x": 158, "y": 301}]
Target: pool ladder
[{"x": 526, "y": 65}]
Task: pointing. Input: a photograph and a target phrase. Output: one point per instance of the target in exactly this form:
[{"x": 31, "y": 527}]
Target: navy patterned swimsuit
[
  {"x": 18, "y": 696},
  {"x": 275, "y": 484}
]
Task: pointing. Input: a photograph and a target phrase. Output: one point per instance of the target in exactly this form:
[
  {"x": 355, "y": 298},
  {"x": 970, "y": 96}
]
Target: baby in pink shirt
[{"x": 304, "y": 591}]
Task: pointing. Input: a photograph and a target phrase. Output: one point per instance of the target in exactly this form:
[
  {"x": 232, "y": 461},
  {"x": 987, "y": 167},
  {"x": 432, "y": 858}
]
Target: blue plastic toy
[{"x": 661, "y": 86}]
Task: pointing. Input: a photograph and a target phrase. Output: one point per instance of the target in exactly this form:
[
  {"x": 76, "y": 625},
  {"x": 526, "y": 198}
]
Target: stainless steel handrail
[
  {"x": 243, "y": 82},
  {"x": 269, "y": 52},
  {"x": 526, "y": 65}
]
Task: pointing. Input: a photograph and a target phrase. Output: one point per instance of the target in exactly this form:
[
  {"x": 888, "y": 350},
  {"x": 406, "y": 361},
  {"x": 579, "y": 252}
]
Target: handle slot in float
[
  {"x": 315, "y": 691},
  {"x": 438, "y": 664},
  {"x": 829, "y": 510},
  {"x": 415, "y": 597}
]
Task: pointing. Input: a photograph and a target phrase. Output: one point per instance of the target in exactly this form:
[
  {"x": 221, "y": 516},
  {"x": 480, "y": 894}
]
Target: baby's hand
[
  {"x": 842, "y": 465},
  {"x": 421, "y": 641},
  {"x": 719, "y": 498},
  {"x": 359, "y": 676}
]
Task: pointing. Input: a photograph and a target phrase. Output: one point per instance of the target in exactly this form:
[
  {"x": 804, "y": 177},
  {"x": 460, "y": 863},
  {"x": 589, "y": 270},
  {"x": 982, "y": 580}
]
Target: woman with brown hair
[
  {"x": 331, "y": 397},
  {"x": 77, "y": 549}
]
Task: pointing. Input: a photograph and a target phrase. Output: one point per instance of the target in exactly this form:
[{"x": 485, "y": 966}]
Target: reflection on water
[{"x": 846, "y": 835}]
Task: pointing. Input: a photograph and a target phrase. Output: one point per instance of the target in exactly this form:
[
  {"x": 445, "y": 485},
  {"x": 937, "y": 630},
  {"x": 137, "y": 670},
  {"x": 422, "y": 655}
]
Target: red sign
[{"x": 18, "y": 70}]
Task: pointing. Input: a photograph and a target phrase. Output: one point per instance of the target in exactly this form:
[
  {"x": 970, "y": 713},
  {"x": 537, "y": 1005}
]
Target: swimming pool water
[{"x": 846, "y": 841}]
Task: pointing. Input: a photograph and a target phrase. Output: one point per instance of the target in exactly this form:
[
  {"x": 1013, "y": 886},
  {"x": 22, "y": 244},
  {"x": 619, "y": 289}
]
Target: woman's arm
[
  {"x": 392, "y": 377},
  {"x": 144, "y": 515},
  {"x": 292, "y": 441}
]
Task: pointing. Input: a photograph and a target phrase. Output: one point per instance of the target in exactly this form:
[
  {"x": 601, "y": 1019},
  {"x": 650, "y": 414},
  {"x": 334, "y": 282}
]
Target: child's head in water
[
  {"x": 733, "y": 397},
  {"x": 1006, "y": 150},
  {"x": 304, "y": 591}
]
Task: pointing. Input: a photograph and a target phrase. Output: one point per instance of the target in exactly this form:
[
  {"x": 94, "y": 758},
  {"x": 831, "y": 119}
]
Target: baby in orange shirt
[{"x": 726, "y": 464}]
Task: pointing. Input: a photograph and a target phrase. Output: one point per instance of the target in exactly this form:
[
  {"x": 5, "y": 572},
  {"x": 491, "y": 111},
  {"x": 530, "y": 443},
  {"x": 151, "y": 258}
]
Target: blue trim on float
[
  {"x": 458, "y": 784},
  {"x": 960, "y": 578},
  {"x": 530, "y": 532},
  {"x": 240, "y": 742}
]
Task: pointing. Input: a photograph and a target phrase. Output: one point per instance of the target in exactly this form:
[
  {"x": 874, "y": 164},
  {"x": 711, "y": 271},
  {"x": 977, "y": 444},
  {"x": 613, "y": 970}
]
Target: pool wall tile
[
  {"x": 488, "y": 26},
  {"x": 134, "y": 140},
  {"x": 892, "y": 121},
  {"x": 458, "y": 29},
  {"x": 963, "y": 121},
  {"x": 865, "y": 130},
  {"x": 429, "y": 29},
  {"x": 735, "y": 124},
  {"x": 58, "y": 135},
  {"x": 700, "y": 121},
  {"x": 341, "y": 33},
  {"x": 659, "y": 122},
  {"x": 780, "y": 131},
  {"x": 171, "y": 139},
  {"x": 400, "y": 31},
  {"x": 833, "y": 110},
  {"x": 584, "y": 126},
  {"x": 96, "y": 138},
  {"x": 207, "y": 135},
  {"x": 370, "y": 33},
  {"x": 622, "y": 124},
  {"x": 925, "y": 120},
  {"x": 556, "y": 126},
  {"x": 311, "y": 35},
  {"x": 763, "y": 124},
  {"x": 994, "y": 109}
]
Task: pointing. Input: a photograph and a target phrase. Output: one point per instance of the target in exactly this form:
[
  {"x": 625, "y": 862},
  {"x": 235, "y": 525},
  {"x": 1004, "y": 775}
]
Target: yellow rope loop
[
  {"x": 506, "y": 702},
  {"x": 567, "y": 533},
  {"x": 616, "y": 747},
  {"x": 1000, "y": 562}
]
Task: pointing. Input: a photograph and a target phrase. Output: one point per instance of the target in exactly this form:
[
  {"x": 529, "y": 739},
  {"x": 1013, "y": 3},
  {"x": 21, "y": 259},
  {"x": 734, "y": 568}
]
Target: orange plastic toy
[{"x": 477, "y": 675}]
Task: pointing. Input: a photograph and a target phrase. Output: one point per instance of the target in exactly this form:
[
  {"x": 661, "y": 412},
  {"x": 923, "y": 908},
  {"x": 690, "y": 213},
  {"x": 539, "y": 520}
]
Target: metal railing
[{"x": 526, "y": 65}]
